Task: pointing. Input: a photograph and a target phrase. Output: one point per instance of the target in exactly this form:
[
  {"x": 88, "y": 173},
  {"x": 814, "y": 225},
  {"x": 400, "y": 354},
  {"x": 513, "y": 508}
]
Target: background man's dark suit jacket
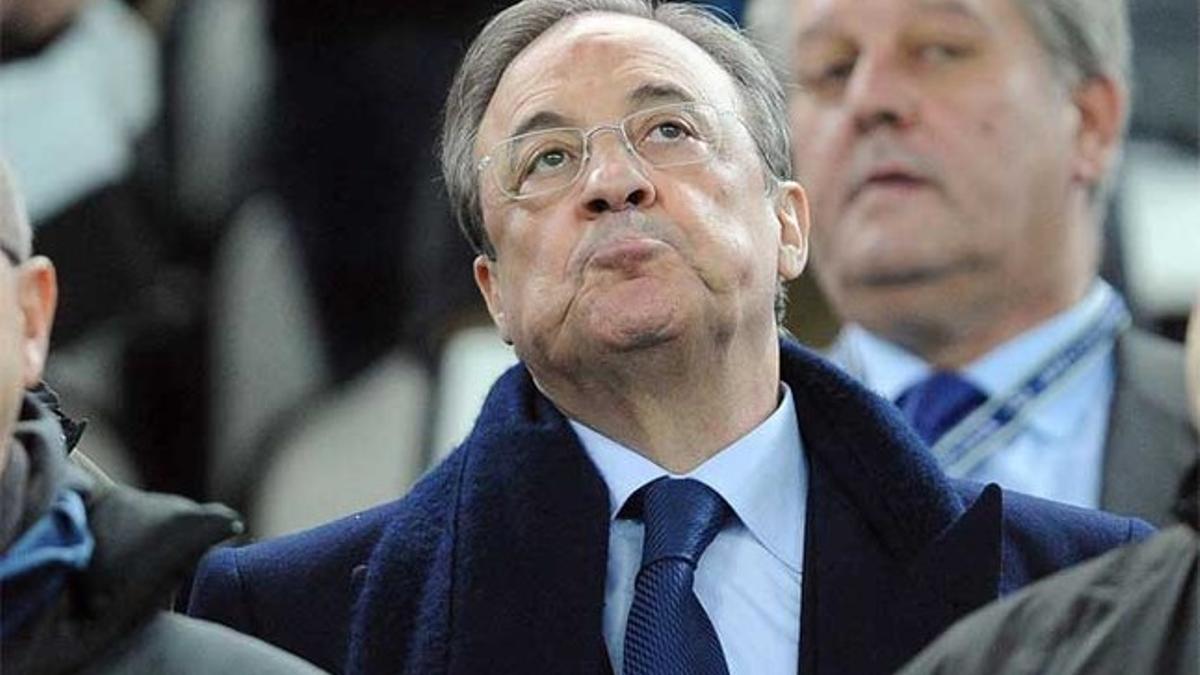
[
  {"x": 496, "y": 561},
  {"x": 1151, "y": 444}
]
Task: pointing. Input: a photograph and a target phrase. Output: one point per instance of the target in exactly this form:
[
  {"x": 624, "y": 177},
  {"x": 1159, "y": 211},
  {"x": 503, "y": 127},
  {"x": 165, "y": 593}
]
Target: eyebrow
[
  {"x": 949, "y": 7},
  {"x": 640, "y": 97},
  {"x": 658, "y": 93},
  {"x": 541, "y": 120}
]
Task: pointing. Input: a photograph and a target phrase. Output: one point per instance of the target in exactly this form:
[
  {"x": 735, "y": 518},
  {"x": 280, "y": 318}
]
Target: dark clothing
[
  {"x": 496, "y": 561},
  {"x": 1135, "y": 610},
  {"x": 356, "y": 109},
  {"x": 107, "y": 618}
]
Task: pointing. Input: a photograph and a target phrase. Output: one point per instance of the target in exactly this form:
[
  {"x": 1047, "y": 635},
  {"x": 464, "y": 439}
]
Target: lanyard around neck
[{"x": 991, "y": 426}]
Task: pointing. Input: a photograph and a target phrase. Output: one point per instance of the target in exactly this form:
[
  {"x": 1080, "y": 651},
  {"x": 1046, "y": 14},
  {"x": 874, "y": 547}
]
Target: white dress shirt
[
  {"x": 749, "y": 578},
  {"x": 1058, "y": 452}
]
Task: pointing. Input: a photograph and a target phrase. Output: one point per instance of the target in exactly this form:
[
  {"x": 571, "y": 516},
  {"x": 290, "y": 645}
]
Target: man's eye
[
  {"x": 941, "y": 53},
  {"x": 838, "y": 71},
  {"x": 832, "y": 73},
  {"x": 550, "y": 159},
  {"x": 547, "y": 160},
  {"x": 670, "y": 130}
]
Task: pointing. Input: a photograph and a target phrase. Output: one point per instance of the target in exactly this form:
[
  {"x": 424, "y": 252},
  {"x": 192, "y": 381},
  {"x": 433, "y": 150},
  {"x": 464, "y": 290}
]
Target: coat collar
[
  {"x": 893, "y": 555},
  {"x": 527, "y": 542},
  {"x": 533, "y": 536}
]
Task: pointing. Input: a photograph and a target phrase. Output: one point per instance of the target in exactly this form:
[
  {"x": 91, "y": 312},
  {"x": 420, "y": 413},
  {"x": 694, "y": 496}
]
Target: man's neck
[
  {"x": 958, "y": 344},
  {"x": 676, "y": 405}
]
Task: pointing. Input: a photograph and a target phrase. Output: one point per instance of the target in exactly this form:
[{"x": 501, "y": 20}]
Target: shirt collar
[
  {"x": 762, "y": 476},
  {"x": 888, "y": 369},
  {"x": 1005, "y": 367}
]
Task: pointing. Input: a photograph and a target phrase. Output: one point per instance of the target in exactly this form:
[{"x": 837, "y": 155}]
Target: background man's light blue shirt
[
  {"x": 749, "y": 578},
  {"x": 1059, "y": 451}
]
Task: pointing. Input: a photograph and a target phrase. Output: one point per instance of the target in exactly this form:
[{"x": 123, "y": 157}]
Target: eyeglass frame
[{"x": 588, "y": 134}]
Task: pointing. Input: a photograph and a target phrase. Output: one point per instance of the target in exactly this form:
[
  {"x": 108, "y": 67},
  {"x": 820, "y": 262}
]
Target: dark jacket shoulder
[
  {"x": 111, "y": 618},
  {"x": 319, "y": 572},
  {"x": 1029, "y": 550},
  {"x": 1136, "y": 609}
]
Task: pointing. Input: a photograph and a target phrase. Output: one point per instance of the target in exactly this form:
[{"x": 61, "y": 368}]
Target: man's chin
[
  {"x": 632, "y": 337},
  {"x": 914, "y": 310}
]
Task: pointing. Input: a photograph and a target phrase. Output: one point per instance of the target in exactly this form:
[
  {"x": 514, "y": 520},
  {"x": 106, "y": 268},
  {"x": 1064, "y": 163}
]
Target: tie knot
[
  {"x": 938, "y": 402},
  {"x": 682, "y": 516}
]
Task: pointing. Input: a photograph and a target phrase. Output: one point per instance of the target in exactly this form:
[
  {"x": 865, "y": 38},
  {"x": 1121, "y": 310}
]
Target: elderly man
[
  {"x": 662, "y": 485},
  {"x": 85, "y": 566},
  {"x": 959, "y": 154}
]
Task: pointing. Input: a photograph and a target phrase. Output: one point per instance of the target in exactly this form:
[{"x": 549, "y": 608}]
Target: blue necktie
[
  {"x": 935, "y": 404},
  {"x": 668, "y": 631}
]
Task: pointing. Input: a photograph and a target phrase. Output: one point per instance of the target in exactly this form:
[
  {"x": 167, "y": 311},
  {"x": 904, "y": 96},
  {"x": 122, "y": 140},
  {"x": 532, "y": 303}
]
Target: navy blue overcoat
[{"x": 495, "y": 562}]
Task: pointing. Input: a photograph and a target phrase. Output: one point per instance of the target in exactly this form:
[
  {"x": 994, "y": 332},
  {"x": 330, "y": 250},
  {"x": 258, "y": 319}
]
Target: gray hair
[
  {"x": 1084, "y": 39},
  {"x": 15, "y": 231},
  {"x": 510, "y": 32}
]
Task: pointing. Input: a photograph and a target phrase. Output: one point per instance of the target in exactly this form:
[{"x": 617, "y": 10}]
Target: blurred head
[
  {"x": 629, "y": 250},
  {"x": 28, "y": 292},
  {"x": 957, "y": 153}
]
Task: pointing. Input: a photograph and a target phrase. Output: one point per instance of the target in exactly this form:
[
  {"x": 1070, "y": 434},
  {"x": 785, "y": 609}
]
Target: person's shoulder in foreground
[
  {"x": 108, "y": 616},
  {"x": 86, "y": 565},
  {"x": 1132, "y": 610}
]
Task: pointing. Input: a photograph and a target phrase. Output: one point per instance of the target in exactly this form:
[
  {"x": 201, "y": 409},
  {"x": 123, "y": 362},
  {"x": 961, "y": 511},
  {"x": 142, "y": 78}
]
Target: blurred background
[{"x": 264, "y": 300}]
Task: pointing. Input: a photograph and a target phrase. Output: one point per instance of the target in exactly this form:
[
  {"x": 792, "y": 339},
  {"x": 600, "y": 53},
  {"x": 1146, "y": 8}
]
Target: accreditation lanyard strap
[{"x": 991, "y": 426}]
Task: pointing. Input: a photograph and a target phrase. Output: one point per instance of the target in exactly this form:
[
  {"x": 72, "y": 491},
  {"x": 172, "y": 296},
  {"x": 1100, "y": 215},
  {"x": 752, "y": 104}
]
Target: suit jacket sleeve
[{"x": 218, "y": 593}]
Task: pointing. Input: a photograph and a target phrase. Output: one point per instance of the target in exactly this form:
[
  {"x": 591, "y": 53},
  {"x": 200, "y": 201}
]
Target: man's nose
[
  {"x": 614, "y": 178},
  {"x": 881, "y": 93}
]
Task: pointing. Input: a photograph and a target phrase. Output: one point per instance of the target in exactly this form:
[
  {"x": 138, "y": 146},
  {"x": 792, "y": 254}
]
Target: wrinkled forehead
[{"x": 595, "y": 67}]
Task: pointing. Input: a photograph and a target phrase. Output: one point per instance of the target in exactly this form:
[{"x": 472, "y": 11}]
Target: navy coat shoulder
[{"x": 495, "y": 561}]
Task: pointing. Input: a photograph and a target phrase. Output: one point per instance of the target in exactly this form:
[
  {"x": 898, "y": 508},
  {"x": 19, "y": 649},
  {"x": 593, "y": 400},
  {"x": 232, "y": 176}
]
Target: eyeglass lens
[{"x": 543, "y": 161}]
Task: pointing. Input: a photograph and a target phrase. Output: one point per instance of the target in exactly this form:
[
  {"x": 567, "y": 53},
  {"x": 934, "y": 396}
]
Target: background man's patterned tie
[{"x": 935, "y": 404}]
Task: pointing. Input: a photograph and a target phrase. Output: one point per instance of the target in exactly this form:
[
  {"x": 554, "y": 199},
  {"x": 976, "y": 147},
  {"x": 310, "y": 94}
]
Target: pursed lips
[
  {"x": 629, "y": 241},
  {"x": 625, "y": 252}
]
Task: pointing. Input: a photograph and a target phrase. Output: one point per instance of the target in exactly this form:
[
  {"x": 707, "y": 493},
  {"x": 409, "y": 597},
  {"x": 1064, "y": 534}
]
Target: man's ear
[
  {"x": 487, "y": 279},
  {"x": 37, "y": 296},
  {"x": 791, "y": 212},
  {"x": 1102, "y": 104}
]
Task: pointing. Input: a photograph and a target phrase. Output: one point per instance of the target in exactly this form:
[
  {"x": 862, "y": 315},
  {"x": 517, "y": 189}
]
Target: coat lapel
[
  {"x": 887, "y": 535},
  {"x": 532, "y": 543},
  {"x": 498, "y": 564}
]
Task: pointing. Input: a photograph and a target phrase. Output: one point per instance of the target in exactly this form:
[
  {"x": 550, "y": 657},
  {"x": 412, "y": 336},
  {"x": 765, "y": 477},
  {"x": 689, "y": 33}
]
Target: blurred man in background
[
  {"x": 960, "y": 156},
  {"x": 85, "y": 565}
]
